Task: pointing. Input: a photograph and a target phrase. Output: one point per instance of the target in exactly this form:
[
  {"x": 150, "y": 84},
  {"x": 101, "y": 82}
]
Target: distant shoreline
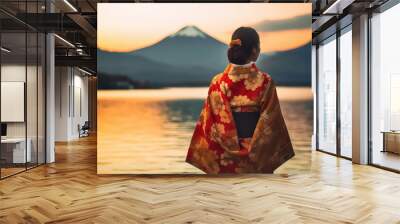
[{"x": 285, "y": 93}]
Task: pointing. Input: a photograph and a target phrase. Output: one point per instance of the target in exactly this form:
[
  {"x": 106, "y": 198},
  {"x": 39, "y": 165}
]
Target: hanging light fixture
[
  {"x": 70, "y": 5},
  {"x": 64, "y": 40},
  {"x": 84, "y": 71},
  {"x": 5, "y": 50}
]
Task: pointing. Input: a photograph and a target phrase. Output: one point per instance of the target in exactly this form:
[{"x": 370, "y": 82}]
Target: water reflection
[
  {"x": 144, "y": 132},
  {"x": 182, "y": 111}
]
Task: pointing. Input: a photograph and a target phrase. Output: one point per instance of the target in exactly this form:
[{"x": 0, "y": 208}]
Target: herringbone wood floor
[{"x": 312, "y": 188}]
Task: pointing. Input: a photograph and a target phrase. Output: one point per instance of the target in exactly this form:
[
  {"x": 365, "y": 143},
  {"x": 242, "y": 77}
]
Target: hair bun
[
  {"x": 235, "y": 42},
  {"x": 243, "y": 41}
]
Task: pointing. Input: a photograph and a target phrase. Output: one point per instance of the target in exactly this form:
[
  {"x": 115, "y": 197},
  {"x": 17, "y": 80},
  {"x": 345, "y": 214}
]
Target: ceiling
[{"x": 76, "y": 21}]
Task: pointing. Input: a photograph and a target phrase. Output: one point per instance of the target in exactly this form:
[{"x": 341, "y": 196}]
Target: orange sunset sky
[{"x": 125, "y": 27}]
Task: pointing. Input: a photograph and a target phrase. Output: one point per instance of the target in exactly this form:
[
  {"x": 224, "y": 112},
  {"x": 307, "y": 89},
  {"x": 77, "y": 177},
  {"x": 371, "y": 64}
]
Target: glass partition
[
  {"x": 327, "y": 95},
  {"x": 385, "y": 89},
  {"x": 22, "y": 88},
  {"x": 346, "y": 93},
  {"x": 13, "y": 94}
]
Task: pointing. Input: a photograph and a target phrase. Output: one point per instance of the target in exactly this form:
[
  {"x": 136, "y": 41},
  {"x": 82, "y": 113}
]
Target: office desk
[
  {"x": 391, "y": 141},
  {"x": 13, "y": 150}
]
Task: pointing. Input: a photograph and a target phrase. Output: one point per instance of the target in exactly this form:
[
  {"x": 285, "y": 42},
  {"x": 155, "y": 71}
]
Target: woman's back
[
  {"x": 241, "y": 128},
  {"x": 243, "y": 85}
]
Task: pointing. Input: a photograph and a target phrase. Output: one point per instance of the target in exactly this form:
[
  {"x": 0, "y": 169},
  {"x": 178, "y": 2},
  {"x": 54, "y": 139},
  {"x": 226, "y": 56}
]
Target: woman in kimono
[{"x": 241, "y": 128}]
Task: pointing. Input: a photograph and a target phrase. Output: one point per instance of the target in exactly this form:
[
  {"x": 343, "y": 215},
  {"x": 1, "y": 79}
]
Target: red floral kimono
[{"x": 215, "y": 146}]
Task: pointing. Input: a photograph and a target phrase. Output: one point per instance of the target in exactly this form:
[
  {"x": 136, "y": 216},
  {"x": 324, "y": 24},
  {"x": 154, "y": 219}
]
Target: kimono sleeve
[
  {"x": 271, "y": 145},
  {"x": 215, "y": 132}
]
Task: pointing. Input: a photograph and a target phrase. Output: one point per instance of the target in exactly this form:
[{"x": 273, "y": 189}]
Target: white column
[
  {"x": 314, "y": 91},
  {"x": 360, "y": 90},
  {"x": 50, "y": 99},
  {"x": 50, "y": 92}
]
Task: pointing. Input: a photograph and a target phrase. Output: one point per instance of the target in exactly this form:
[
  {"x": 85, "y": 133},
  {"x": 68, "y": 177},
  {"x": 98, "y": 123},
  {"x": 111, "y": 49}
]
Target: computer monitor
[{"x": 3, "y": 129}]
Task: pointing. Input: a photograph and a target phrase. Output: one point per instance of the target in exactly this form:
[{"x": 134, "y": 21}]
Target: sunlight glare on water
[{"x": 149, "y": 131}]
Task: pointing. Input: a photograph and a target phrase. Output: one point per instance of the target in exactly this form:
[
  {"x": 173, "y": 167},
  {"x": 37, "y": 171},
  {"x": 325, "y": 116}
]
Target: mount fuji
[
  {"x": 188, "y": 47},
  {"x": 188, "y": 57},
  {"x": 190, "y": 31}
]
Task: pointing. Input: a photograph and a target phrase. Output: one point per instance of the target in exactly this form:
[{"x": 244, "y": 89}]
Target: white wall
[
  {"x": 33, "y": 126},
  {"x": 13, "y": 73},
  {"x": 62, "y": 82},
  {"x": 71, "y": 94},
  {"x": 80, "y": 110}
]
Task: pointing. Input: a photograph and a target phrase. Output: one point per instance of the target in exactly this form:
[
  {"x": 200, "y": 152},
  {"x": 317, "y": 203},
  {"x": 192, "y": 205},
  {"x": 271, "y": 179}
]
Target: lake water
[{"x": 149, "y": 131}]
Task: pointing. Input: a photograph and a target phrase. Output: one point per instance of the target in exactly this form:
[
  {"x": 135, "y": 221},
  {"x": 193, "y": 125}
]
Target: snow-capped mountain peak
[{"x": 190, "y": 31}]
